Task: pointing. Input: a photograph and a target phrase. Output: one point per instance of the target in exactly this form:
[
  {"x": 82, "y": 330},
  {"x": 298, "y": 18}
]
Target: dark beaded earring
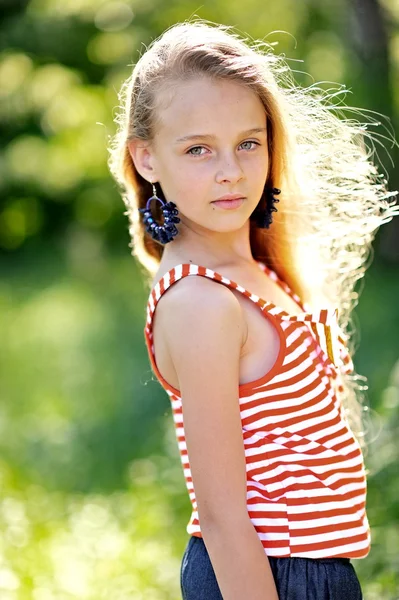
[
  {"x": 264, "y": 217},
  {"x": 161, "y": 233}
]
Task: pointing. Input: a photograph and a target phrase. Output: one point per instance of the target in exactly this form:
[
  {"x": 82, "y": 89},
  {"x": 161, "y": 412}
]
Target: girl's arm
[{"x": 204, "y": 328}]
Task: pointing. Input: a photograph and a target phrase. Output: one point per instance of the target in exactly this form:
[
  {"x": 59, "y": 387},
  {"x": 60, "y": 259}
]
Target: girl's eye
[
  {"x": 199, "y": 147},
  {"x": 194, "y": 148},
  {"x": 250, "y": 142}
]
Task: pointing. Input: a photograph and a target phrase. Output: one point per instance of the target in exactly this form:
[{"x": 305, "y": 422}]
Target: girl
[{"x": 249, "y": 341}]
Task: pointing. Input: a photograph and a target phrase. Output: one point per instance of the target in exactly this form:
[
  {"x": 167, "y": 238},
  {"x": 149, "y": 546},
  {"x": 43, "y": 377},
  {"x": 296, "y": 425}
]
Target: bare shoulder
[
  {"x": 203, "y": 324},
  {"x": 206, "y": 308}
]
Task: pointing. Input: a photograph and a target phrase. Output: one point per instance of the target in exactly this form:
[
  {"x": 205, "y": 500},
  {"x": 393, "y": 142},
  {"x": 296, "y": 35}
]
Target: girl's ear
[{"x": 143, "y": 158}]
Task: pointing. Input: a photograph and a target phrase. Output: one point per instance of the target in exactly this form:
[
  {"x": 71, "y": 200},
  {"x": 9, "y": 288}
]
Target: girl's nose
[{"x": 229, "y": 169}]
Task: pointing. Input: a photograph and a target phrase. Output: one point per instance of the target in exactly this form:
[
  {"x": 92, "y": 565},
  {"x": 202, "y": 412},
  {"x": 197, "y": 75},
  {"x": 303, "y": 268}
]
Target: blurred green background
[{"x": 93, "y": 503}]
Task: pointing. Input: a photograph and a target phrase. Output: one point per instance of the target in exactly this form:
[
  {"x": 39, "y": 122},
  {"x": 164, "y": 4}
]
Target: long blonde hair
[{"x": 332, "y": 199}]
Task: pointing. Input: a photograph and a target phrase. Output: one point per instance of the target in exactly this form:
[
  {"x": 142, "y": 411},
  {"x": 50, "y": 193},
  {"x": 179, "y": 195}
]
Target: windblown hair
[{"x": 332, "y": 201}]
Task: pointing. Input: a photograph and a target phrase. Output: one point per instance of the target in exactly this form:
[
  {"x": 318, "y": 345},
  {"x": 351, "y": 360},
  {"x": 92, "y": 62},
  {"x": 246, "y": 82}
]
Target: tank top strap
[
  {"x": 185, "y": 269},
  {"x": 323, "y": 324},
  {"x": 325, "y": 327},
  {"x": 273, "y": 275}
]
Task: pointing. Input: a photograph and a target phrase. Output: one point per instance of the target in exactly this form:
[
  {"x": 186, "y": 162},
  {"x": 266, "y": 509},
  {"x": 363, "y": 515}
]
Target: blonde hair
[{"x": 332, "y": 198}]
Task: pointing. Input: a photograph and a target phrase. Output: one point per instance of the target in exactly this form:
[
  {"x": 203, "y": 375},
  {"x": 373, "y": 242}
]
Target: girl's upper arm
[{"x": 204, "y": 328}]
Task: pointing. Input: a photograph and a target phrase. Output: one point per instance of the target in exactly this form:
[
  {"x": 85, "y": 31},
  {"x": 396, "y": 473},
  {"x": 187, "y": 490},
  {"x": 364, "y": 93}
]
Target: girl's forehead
[
  {"x": 206, "y": 103},
  {"x": 201, "y": 89}
]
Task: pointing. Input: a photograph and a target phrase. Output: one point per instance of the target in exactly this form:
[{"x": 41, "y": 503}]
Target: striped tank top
[{"x": 306, "y": 482}]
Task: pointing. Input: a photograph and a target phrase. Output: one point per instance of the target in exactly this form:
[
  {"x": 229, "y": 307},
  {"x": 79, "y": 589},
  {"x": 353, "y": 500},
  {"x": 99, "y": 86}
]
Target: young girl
[{"x": 249, "y": 341}]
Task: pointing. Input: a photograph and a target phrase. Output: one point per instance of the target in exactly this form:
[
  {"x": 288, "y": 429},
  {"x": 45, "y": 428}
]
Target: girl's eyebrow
[{"x": 212, "y": 137}]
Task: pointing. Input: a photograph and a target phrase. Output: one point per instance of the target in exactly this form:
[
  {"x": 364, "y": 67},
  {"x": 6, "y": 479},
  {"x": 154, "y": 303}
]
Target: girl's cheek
[{"x": 199, "y": 168}]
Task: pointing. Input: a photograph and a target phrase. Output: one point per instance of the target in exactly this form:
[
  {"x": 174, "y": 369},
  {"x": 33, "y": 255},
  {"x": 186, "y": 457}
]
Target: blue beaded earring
[
  {"x": 161, "y": 233},
  {"x": 264, "y": 217}
]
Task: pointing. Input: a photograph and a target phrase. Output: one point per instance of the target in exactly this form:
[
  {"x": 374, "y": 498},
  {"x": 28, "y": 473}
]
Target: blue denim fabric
[{"x": 296, "y": 578}]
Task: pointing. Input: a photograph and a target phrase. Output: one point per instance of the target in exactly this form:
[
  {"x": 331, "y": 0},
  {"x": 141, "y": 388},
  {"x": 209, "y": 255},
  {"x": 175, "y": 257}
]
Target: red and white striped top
[{"x": 306, "y": 482}]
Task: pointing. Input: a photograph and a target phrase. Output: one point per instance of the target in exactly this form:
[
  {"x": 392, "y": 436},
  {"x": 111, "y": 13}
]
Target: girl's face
[{"x": 211, "y": 141}]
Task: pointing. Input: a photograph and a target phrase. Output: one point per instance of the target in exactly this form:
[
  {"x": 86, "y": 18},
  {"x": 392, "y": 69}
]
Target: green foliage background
[{"x": 93, "y": 503}]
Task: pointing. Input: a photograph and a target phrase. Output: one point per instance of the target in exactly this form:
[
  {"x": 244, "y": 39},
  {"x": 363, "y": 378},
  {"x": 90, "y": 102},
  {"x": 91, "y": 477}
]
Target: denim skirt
[{"x": 296, "y": 578}]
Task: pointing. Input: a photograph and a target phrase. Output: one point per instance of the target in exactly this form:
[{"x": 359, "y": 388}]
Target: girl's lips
[{"x": 229, "y": 204}]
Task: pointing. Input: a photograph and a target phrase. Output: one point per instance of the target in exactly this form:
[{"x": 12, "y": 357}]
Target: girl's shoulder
[{"x": 188, "y": 295}]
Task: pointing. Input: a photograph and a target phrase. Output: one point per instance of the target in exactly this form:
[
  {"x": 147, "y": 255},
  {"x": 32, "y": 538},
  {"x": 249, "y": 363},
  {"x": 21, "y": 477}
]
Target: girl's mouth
[{"x": 229, "y": 204}]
